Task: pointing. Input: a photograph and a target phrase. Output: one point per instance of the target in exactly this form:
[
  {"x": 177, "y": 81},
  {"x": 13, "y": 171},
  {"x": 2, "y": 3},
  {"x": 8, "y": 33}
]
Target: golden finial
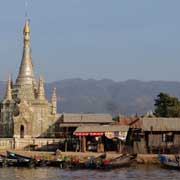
[{"x": 27, "y": 27}]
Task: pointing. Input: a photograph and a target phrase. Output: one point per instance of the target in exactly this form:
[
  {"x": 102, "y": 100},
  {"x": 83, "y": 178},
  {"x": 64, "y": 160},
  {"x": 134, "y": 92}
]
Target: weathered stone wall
[
  {"x": 46, "y": 143},
  {"x": 6, "y": 143},
  {"x": 29, "y": 143},
  {"x": 40, "y": 120},
  {"x": 6, "y": 121}
]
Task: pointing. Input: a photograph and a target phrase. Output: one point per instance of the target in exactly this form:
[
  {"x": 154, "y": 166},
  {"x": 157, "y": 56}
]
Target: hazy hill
[{"x": 107, "y": 96}]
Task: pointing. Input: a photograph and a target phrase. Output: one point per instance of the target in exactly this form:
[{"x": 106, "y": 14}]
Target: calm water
[{"x": 135, "y": 173}]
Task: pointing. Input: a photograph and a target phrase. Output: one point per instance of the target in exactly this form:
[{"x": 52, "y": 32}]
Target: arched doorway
[{"x": 22, "y": 131}]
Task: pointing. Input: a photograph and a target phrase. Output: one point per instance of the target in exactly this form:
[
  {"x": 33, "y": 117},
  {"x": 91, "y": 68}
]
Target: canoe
[
  {"x": 14, "y": 159},
  {"x": 168, "y": 163},
  {"x": 124, "y": 160},
  {"x": 55, "y": 163},
  {"x": 95, "y": 162},
  {"x": 101, "y": 162},
  {"x": 91, "y": 163},
  {"x": 2, "y": 161}
]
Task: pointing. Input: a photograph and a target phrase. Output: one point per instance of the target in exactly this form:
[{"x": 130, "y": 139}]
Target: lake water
[{"x": 133, "y": 173}]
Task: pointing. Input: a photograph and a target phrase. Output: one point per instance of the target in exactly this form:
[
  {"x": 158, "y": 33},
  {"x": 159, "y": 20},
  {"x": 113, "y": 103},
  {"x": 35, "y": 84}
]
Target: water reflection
[{"x": 134, "y": 173}]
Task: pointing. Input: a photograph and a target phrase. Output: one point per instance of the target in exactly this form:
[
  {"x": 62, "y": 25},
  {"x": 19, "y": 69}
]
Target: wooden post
[
  {"x": 66, "y": 131},
  {"x": 151, "y": 139},
  {"x": 119, "y": 146},
  {"x": 80, "y": 144},
  {"x": 14, "y": 143},
  {"x": 100, "y": 147},
  {"x": 77, "y": 146},
  {"x": 66, "y": 145},
  {"x": 84, "y": 144}
]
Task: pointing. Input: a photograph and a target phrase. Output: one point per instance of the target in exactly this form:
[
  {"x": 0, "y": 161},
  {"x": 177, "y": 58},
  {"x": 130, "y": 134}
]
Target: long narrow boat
[
  {"x": 91, "y": 163},
  {"x": 95, "y": 162},
  {"x": 2, "y": 161},
  {"x": 55, "y": 163},
  {"x": 6, "y": 161},
  {"x": 124, "y": 160},
  {"x": 168, "y": 163},
  {"x": 14, "y": 159},
  {"x": 101, "y": 162},
  {"x": 33, "y": 162}
]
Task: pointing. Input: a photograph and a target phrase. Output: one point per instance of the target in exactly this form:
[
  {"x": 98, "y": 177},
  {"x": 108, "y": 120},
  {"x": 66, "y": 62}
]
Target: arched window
[{"x": 22, "y": 131}]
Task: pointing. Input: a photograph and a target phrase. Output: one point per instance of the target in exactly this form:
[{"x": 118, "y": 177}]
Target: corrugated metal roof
[
  {"x": 69, "y": 124},
  {"x": 160, "y": 124},
  {"x": 87, "y": 118},
  {"x": 105, "y": 128},
  {"x": 73, "y": 124}
]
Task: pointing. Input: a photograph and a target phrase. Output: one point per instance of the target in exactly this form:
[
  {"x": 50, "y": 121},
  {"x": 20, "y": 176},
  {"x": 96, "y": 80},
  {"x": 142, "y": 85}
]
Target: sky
[{"x": 99, "y": 39}]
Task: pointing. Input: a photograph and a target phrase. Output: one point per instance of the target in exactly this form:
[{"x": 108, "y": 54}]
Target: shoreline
[{"x": 141, "y": 158}]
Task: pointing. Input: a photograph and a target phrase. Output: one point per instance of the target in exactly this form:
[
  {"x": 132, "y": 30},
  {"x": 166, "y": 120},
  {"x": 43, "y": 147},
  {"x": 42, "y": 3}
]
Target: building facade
[
  {"x": 156, "y": 135},
  {"x": 68, "y": 122},
  {"x": 25, "y": 113}
]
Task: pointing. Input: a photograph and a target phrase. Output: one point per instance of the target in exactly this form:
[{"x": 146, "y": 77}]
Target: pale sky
[{"x": 112, "y": 39}]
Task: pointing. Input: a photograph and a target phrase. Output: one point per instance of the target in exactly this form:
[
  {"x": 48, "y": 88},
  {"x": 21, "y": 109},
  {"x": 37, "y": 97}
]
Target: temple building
[
  {"x": 25, "y": 113},
  {"x": 28, "y": 119}
]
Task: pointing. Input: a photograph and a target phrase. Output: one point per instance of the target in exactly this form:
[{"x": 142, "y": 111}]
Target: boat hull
[{"x": 168, "y": 163}]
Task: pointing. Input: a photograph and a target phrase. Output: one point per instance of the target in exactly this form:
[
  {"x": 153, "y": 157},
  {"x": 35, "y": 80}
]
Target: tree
[{"x": 167, "y": 106}]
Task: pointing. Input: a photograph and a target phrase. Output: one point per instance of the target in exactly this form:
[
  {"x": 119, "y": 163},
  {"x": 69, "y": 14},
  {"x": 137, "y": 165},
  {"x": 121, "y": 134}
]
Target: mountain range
[{"x": 107, "y": 96}]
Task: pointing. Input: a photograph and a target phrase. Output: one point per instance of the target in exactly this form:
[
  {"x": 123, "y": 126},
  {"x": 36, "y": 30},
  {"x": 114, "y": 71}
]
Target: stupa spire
[
  {"x": 26, "y": 74},
  {"x": 8, "y": 95},
  {"x": 54, "y": 101},
  {"x": 41, "y": 91}
]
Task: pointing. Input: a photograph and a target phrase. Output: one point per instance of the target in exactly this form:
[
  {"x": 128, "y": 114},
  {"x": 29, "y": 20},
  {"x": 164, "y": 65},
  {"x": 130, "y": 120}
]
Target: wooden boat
[
  {"x": 14, "y": 159},
  {"x": 2, "y": 161},
  {"x": 95, "y": 162},
  {"x": 5, "y": 161},
  {"x": 124, "y": 160},
  {"x": 19, "y": 160},
  {"x": 168, "y": 163},
  {"x": 91, "y": 163},
  {"x": 55, "y": 163}
]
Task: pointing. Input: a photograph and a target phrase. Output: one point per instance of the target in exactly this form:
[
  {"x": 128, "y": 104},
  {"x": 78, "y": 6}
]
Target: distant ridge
[{"x": 107, "y": 96}]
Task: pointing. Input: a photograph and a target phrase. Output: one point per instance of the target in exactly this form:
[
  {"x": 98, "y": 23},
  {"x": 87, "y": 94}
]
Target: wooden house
[
  {"x": 154, "y": 135},
  {"x": 69, "y": 122},
  {"x": 101, "y": 138}
]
